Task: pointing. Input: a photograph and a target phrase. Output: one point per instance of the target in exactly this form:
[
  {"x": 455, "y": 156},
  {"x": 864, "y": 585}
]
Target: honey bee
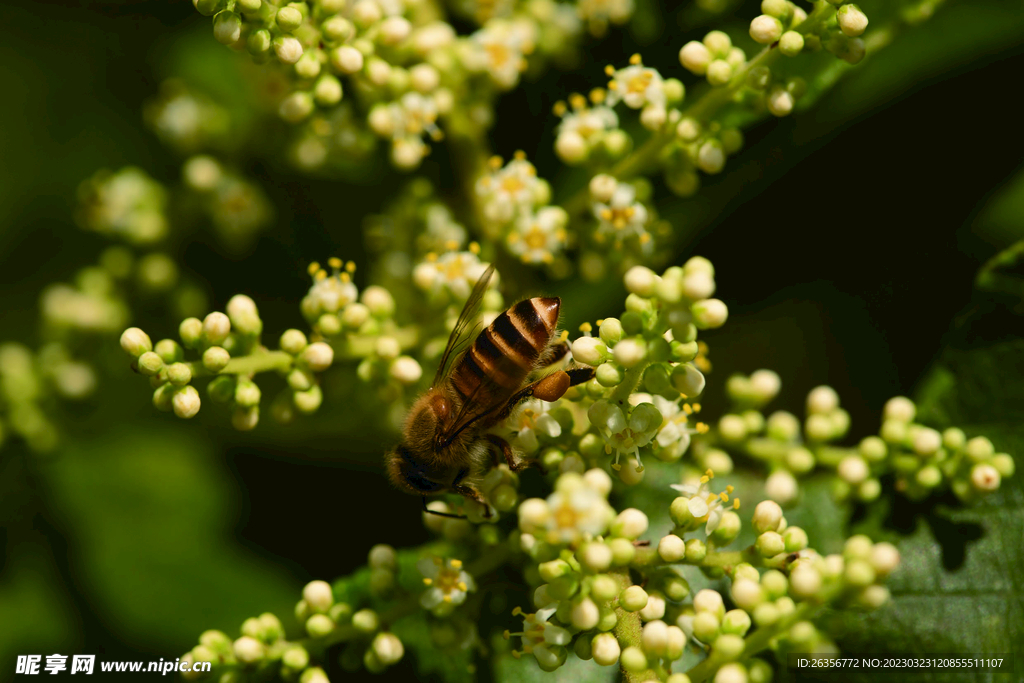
[{"x": 446, "y": 446}]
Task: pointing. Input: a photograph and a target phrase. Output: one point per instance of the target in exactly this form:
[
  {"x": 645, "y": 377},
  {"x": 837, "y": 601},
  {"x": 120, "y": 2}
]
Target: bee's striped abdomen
[{"x": 507, "y": 351}]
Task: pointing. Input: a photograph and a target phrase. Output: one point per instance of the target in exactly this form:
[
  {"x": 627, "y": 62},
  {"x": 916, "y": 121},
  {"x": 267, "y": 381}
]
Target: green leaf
[
  {"x": 978, "y": 606},
  {"x": 508, "y": 669},
  {"x": 148, "y": 515}
]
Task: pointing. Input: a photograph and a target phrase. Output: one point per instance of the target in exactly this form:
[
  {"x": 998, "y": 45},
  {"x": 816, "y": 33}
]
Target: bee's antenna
[{"x": 441, "y": 514}]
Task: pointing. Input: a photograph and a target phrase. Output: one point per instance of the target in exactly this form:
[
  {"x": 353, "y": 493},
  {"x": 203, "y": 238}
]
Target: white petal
[
  {"x": 527, "y": 440},
  {"x": 431, "y": 598},
  {"x": 685, "y": 489},
  {"x": 697, "y": 506},
  {"x": 428, "y": 567},
  {"x": 714, "y": 519},
  {"x": 556, "y": 635},
  {"x": 549, "y": 426},
  {"x": 468, "y": 580},
  {"x": 544, "y": 614}
]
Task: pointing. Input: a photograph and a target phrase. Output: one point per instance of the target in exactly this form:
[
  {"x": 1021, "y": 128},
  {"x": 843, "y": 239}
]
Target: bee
[{"x": 446, "y": 446}]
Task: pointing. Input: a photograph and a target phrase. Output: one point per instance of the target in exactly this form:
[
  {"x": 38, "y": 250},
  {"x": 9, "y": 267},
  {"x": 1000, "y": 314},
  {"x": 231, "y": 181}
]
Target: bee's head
[{"x": 409, "y": 475}]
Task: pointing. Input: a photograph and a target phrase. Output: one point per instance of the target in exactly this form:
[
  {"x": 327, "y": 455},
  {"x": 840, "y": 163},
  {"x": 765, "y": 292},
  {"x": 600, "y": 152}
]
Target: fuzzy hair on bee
[{"x": 482, "y": 378}]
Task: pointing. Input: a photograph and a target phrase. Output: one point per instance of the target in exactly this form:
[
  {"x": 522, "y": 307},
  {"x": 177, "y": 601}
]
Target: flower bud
[
  {"x": 791, "y": 43},
  {"x": 387, "y": 648},
  {"x": 795, "y": 539},
  {"x": 654, "y": 638},
  {"x": 781, "y": 487},
  {"x": 709, "y": 314},
  {"x": 590, "y": 351},
  {"x": 705, "y": 626},
  {"x": 642, "y": 281},
  {"x": 655, "y": 607},
  {"x": 633, "y": 599},
  {"x": 765, "y": 29},
  {"x": 688, "y": 380},
  {"x": 899, "y": 408},
  {"x": 852, "y": 469},
  {"x": 731, "y": 672},
  {"x": 708, "y": 600},
  {"x": 585, "y": 614},
  {"x": 985, "y": 478},
  {"x": 288, "y": 49},
  {"x": 215, "y": 359},
  {"x": 248, "y": 650},
  {"x": 805, "y": 581},
  {"x": 605, "y": 648},
  {"x": 767, "y": 516},
  {"x": 135, "y": 342},
  {"x": 319, "y": 625},
  {"x": 630, "y": 523},
  {"x": 695, "y": 57},
  {"x": 633, "y": 660},
  {"x": 318, "y": 356},
  {"x": 979, "y": 448},
  {"x": 852, "y": 21},
  {"x": 366, "y": 621},
  {"x": 186, "y": 402},
  {"x": 227, "y": 28}
]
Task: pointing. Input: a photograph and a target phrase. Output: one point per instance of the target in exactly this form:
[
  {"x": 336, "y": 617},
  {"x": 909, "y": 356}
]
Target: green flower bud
[
  {"x": 696, "y": 550},
  {"x": 295, "y": 657},
  {"x": 623, "y": 551},
  {"x": 765, "y": 29},
  {"x": 728, "y": 529},
  {"x": 186, "y": 402},
  {"x": 259, "y": 42},
  {"x": 719, "y": 73},
  {"x": 633, "y": 659},
  {"x": 245, "y": 419},
  {"x": 169, "y": 350},
  {"x": 163, "y": 397},
  {"x": 688, "y": 380},
  {"x": 366, "y": 621},
  {"x": 340, "y": 613},
  {"x": 705, "y": 626},
  {"x": 216, "y": 327},
  {"x": 766, "y": 614},
  {"x": 671, "y": 548},
  {"x": 805, "y": 581},
  {"x": 675, "y": 587},
  {"x": 595, "y": 556},
  {"x": 387, "y": 648},
  {"x": 608, "y": 619},
  {"x": 190, "y": 331},
  {"x": 248, "y": 650},
  {"x": 227, "y": 28},
  {"x": 736, "y": 622},
  {"x": 609, "y": 375},
  {"x": 585, "y": 615},
  {"x": 610, "y": 331},
  {"x": 791, "y": 43},
  {"x": 770, "y": 544},
  {"x": 308, "y": 401},
  {"x": 633, "y": 599},
  {"x": 150, "y": 364},
  {"x": 288, "y": 18},
  {"x": 313, "y": 674},
  {"x": 678, "y": 678},
  {"x": 327, "y": 91},
  {"x": 135, "y": 342},
  {"x": 318, "y": 356},
  {"x": 795, "y": 539},
  {"x": 978, "y": 449},
  {"x": 852, "y": 21},
  {"x": 337, "y": 29},
  {"x": 604, "y": 587},
  {"x": 216, "y": 358},
  {"x": 244, "y": 316},
  {"x": 247, "y": 393},
  {"x": 583, "y": 648},
  {"x": 747, "y": 594},
  {"x": 319, "y": 625},
  {"x": 179, "y": 374},
  {"x": 774, "y": 583},
  {"x": 1003, "y": 464},
  {"x": 293, "y": 342},
  {"x": 605, "y": 649}
]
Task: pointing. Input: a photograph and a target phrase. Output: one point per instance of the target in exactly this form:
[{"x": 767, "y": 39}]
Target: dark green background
[{"x": 845, "y": 238}]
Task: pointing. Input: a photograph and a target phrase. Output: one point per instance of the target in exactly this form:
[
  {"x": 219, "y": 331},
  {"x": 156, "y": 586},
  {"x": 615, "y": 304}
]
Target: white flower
[
  {"x": 456, "y": 271},
  {"x": 599, "y": 13},
  {"x": 500, "y": 48},
  {"x": 537, "y": 237},
  {"x": 510, "y": 190},
  {"x": 539, "y": 636},
  {"x": 673, "y": 434},
  {"x": 587, "y": 122},
  {"x": 622, "y": 215},
  {"x": 446, "y": 580},
  {"x": 577, "y": 510},
  {"x": 533, "y": 419},
  {"x": 638, "y": 86},
  {"x": 705, "y": 505},
  {"x": 329, "y": 293}
]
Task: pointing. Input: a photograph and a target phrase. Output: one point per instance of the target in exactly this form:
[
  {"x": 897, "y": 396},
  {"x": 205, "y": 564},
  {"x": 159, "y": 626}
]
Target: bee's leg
[
  {"x": 469, "y": 492},
  {"x": 549, "y": 388},
  {"x": 515, "y": 464}
]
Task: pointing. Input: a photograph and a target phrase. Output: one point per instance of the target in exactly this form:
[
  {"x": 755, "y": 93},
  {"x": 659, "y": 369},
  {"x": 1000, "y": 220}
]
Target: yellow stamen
[
  {"x": 702, "y": 428},
  {"x": 577, "y": 101},
  {"x": 313, "y": 268},
  {"x": 704, "y": 479},
  {"x": 494, "y": 162},
  {"x": 320, "y": 275},
  {"x": 462, "y": 586},
  {"x": 612, "y": 85},
  {"x": 724, "y": 496},
  {"x": 427, "y": 581},
  {"x": 334, "y": 262},
  {"x": 431, "y": 256},
  {"x": 474, "y": 248},
  {"x": 564, "y": 335},
  {"x": 710, "y": 473},
  {"x": 711, "y": 498},
  {"x": 729, "y": 488},
  {"x": 696, "y": 407},
  {"x": 507, "y": 634},
  {"x": 735, "y": 503},
  {"x": 447, "y": 598},
  {"x": 451, "y": 245},
  {"x": 517, "y": 611},
  {"x": 519, "y": 155},
  {"x": 597, "y": 95},
  {"x": 687, "y": 409},
  {"x": 560, "y": 108},
  {"x": 456, "y": 564},
  {"x": 586, "y": 327},
  {"x": 345, "y": 277},
  {"x": 635, "y": 60},
  {"x": 609, "y": 70},
  {"x": 517, "y": 654}
]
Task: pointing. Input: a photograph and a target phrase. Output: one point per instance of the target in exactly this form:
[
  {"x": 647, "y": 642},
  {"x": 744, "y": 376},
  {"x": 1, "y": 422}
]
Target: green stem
[
  {"x": 628, "y": 629},
  {"x": 254, "y": 363},
  {"x": 628, "y": 385},
  {"x": 647, "y": 557},
  {"x": 640, "y": 161},
  {"x": 752, "y": 645}
]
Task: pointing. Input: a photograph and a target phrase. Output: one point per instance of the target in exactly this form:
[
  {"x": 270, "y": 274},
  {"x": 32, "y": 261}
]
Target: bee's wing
[{"x": 462, "y": 336}]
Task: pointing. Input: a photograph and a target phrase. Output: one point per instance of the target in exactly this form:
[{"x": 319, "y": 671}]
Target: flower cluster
[
  {"x": 922, "y": 459},
  {"x": 229, "y": 349}
]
